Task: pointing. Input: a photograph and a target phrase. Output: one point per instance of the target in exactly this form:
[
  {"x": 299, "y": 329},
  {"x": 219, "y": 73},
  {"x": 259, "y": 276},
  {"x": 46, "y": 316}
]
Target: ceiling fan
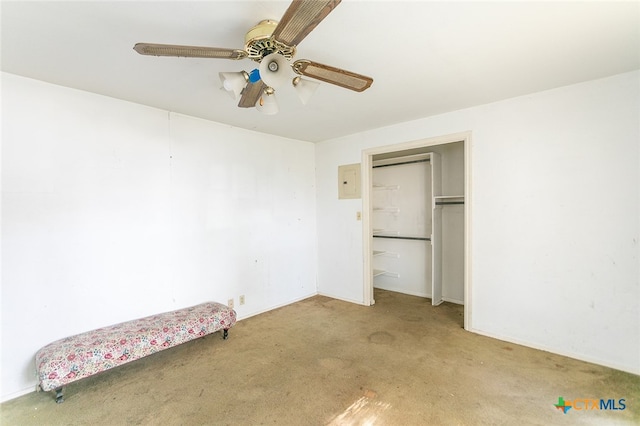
[{"x": 273, "y": 45}]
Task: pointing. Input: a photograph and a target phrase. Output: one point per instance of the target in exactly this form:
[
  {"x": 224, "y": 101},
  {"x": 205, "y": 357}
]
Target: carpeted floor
[{"x": 326, "y": 362}]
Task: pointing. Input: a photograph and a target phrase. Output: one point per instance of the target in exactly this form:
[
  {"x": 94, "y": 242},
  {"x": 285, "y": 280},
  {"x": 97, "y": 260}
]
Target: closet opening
[{"x": 416, "y": 227}]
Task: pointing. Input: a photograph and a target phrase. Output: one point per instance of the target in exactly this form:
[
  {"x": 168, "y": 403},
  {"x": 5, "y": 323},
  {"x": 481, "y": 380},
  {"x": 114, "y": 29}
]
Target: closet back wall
[
  {"x": 113, "y": 211},
  {"x": 401, "y": 199}
]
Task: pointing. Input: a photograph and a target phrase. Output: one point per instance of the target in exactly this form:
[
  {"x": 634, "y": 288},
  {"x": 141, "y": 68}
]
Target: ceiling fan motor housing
[{"x": 259, "y": 43}]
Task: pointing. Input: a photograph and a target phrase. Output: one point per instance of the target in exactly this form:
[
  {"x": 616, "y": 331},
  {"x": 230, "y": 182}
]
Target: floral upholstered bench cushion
[{"x": 83, "y": 355}]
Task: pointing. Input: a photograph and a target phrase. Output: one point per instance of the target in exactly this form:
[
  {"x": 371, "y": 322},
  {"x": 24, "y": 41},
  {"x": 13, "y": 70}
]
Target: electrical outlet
[
  {"x": 242, "y": 299},
  {"x": 230, "y": 303}
]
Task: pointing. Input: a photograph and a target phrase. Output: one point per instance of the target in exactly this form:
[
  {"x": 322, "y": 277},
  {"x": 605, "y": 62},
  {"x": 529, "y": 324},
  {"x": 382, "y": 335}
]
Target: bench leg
[
  {"x": 59, "y": 395},
  {"x": 225, "y": 333}
]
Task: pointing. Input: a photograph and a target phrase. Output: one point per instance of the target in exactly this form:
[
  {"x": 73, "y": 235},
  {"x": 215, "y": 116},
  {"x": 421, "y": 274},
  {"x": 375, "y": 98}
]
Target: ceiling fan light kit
[
  {"x": 273, "y": 45},
  {"x": 267, "y": 103},
  {"x": 234, "y": 82},
  {"x": 275, "y": 70},
  {"x": 304, "y": 88}
]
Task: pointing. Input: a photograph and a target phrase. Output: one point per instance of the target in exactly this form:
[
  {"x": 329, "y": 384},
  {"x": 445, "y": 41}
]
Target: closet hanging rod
[
  {"x": 446, "y": 203},
  {"x": 398, "y": 237},
  {"x": 399, "y": 164}
]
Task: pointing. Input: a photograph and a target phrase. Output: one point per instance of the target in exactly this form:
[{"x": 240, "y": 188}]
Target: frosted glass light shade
[
  {"x": 305, "y": 89},
  {"x": 275, "y": 70},
  {"x": 267, "y": 104},
  {"x": 233, "y": 83}
]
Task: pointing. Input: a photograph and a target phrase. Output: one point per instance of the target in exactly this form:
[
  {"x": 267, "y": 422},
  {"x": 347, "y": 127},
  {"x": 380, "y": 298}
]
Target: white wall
[
  {"x": 555, "y": 217},
  {"x": 113, "y": 211},
  {"x": 412, "y": 258}
]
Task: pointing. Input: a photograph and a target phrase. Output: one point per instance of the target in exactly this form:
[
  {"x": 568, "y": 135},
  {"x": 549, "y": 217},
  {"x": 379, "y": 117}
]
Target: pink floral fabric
[{"x": 83, "y": 355}]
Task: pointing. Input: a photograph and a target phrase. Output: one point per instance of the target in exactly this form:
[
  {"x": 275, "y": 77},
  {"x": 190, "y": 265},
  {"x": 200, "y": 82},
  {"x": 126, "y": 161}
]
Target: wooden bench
[{"x": 83, "y": 355}]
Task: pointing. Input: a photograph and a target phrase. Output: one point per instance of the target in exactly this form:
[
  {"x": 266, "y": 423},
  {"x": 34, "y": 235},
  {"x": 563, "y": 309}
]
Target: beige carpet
[{"x": 323, "y": 361}]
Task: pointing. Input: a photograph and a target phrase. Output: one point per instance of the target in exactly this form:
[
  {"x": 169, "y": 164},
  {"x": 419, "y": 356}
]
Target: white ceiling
[{"x": 425, "y": 57}]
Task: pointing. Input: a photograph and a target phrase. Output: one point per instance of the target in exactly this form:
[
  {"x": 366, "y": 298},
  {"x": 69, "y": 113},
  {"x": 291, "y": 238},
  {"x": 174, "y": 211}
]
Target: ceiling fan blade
[
  {"x": 188, "y": 51},
  {"x": 337, "y": 76},
  {"x": 301, "y": 18},
  {"x": 251, "y": 94}
]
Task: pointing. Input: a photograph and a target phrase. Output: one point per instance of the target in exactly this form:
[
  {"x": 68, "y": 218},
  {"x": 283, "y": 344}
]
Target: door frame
[{"x": 367, "y": 230}]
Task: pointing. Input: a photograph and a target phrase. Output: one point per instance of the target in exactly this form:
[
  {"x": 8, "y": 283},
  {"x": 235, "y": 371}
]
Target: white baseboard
[
  {"x": 19, "y": 393},
  {"x": 568, "y": 354},
  {"x": 271, "y": 308},
  {"x": 357, "y": 302},
  {"x": 403, "y": 291},
  {"x": 425, "y": 295}
]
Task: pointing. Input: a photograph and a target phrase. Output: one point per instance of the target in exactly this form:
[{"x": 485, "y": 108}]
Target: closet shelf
[
  {"x": 385, "y": 253},
  {"x": 387, "y": 209},
  {"x": 377, "y": 231},
  {"x": 385, "y": 187},
  {"x": 379, "y": 272},
  {"x": 401, "y": 237}
]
